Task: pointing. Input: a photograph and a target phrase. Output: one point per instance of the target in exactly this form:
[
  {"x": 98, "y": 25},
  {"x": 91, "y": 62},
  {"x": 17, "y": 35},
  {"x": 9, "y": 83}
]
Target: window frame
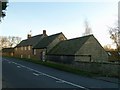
[{"x": 34, "y": 51}]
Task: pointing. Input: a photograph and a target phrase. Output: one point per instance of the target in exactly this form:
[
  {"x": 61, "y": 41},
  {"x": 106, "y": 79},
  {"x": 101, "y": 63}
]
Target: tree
[
  {"x": 13, "y": 41},
  {"x": 3, "y": 42},
  {"x": 3, "y": 6},
  {"x": 88, "y": 30},
  {"x": 108, "y": 47},
  {"x": 115, "y": 36},
  {"x": 10, "y": 41}
]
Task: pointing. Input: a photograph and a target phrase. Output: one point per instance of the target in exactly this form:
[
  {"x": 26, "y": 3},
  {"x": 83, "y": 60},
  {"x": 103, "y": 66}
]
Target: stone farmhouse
[
  {"x": 37, "y": 46},
  {"x": 47, "y": 44},
  {"x": 57, "y": 48},
  {"x": 25, "y": 48}
]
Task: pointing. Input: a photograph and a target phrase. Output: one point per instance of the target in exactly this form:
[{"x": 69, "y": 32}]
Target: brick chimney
[
  {"x": 44, "y": 33},
  {"x": 29, "y": 36}
]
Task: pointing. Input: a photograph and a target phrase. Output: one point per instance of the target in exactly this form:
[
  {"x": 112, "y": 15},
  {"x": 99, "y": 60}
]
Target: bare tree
[
  {"x": 115, "y": 36},
  {"x": 108, "y": 47},
  {"x": 3, "y": 42},
  {"x": 10, "y": 41},
  {"x": 88, "y": 30}
]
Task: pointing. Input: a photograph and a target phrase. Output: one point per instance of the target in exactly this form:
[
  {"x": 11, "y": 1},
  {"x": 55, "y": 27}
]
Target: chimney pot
[
  {"x": 28, "y": 36},
  {"x": 44, "y": 32}
]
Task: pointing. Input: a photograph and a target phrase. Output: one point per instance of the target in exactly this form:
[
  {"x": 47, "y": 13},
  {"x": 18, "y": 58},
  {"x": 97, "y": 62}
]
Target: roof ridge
[
  {"x": 55, "y": 34},
  {"x": 81, "y": 37},
  {"x": 71, "y": 45},
  {"x": 32, "y": 37},
  {"x": 46, "y": 40}
]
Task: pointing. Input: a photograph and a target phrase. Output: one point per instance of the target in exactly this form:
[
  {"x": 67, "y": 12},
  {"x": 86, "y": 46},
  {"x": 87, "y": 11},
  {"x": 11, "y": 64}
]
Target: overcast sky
[{"x": 55, "y": 17}]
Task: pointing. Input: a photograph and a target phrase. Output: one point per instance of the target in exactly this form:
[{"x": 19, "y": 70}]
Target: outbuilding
[{"x": 86, "y": 49}]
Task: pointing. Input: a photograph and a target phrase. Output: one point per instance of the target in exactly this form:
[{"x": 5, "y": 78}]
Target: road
[{"x": 22, "y": 74}]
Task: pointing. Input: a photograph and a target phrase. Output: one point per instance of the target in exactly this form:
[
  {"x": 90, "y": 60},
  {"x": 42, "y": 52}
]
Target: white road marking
[
  {"x": 18, "y": 67},
  {"x": 36, "y": 74},
  {"x": 50, "y": 76},
  {"x": 60, "y": 81}
]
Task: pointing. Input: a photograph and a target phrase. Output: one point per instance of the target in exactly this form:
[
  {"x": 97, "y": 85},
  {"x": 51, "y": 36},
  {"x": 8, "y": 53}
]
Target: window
[
  {"x": 28, "y": 47},
  {"x": 21, "y": 48},
  {"x": 16, "y": 48},
  {"x": 34, "y": 52},
  {"x": 25, "y": 48},
  {"x": 109, "y": 53}
]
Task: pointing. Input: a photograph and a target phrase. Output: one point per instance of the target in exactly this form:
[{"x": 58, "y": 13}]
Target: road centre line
[{"x": 50, "y": 76}]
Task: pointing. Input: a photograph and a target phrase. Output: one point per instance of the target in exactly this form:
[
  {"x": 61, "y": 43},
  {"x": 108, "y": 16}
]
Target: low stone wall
[{"x": 107, "y": 69}]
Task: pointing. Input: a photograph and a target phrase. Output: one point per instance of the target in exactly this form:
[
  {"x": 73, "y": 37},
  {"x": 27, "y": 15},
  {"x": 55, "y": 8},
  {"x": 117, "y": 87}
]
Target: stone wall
[{"x": 108, "y": 69}]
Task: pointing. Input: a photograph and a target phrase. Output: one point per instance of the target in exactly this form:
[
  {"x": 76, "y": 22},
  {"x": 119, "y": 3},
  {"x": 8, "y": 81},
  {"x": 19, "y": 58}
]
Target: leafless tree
[
  {"x": 108, "y": 48},
  {"x": 10, "y": 41},
  {"x": 3, "y": 42},
  {"x": 115, "y": 36},
  {"x": 88, "y": 29}
]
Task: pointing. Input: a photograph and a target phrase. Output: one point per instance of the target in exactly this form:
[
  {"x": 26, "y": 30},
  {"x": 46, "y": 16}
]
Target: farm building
[
  {"x": 86, "y": 48},
  {"x": 7, "y": 51}
]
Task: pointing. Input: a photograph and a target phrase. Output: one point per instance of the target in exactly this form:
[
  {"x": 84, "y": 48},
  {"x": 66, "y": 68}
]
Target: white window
[
  {"x": 29, "y": 56},
  {"x": 109, "y": 53},
  {"x": 21, "y": 48},
  {"x": 28, "y": 47},
  {"x": 34, "y": 52},
  {"x": 25, "y": 48}
]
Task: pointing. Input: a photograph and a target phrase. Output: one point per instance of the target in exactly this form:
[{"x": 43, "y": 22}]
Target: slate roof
[
  {"x": 69, "y": 47},
  {"x": 7, "y": 50},
  {"x": 46, "y": 41},
  {"x": 30, "y": 41}
]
